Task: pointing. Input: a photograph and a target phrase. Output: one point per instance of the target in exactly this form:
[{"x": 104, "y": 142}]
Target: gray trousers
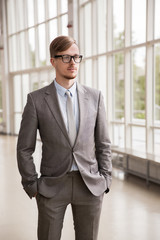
[{"x": 86, "y": 209}]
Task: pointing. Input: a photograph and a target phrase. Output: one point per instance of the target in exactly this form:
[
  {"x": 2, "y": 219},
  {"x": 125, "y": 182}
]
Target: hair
[{"x": 60, "y": 44}]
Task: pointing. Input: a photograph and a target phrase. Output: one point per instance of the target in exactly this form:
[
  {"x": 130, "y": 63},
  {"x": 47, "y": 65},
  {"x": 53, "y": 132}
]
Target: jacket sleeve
[
  {"x": 103, "y": 144},
  {"x": 26, "y": 147}
]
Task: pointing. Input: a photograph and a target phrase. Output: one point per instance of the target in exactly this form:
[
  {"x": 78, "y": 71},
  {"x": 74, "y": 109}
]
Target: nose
[{"x": 72, "y": 60}]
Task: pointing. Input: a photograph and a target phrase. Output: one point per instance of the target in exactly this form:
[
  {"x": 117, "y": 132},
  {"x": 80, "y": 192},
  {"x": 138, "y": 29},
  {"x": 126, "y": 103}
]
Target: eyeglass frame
[{"x": 80, "y": 57}]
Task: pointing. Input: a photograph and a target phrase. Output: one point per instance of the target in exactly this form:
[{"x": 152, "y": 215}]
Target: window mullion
[
  {"x": 110, "y": 25},
  {"x": 149, "y": 76},
  {"x": 149, "y": 99}
]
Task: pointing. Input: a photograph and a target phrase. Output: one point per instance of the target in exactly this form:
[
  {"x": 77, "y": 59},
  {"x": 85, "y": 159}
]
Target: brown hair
[{"x": 60, "y": 44}]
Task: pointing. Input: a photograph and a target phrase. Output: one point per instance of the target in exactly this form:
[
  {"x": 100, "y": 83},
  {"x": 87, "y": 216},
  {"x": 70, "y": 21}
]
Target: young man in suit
[{"x": 76, "y": 155}]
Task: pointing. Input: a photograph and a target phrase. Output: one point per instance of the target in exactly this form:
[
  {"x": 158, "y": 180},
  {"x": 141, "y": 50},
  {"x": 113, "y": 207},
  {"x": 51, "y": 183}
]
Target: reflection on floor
[{"x": 131, "y": 211}]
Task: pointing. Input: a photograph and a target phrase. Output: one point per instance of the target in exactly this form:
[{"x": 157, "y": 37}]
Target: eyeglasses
[{"x": 68, "y": 58}]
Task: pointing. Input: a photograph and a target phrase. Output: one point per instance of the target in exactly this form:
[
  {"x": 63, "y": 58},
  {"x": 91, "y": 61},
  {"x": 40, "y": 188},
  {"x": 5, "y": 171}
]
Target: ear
[{"x": 52, "y": 61}]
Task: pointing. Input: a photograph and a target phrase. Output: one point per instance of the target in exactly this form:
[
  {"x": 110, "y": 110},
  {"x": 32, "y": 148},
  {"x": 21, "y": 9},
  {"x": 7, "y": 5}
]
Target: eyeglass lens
[{"x": 67, "y": 58}]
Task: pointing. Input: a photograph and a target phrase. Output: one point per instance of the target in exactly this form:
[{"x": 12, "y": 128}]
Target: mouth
[{"x": 72, "y": 69}]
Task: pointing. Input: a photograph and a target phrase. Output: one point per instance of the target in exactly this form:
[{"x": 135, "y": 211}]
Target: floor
[{"x": 131, "y": 211}]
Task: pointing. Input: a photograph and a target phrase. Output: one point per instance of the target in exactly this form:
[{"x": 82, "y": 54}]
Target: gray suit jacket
[{"x": 91, "y": 150}]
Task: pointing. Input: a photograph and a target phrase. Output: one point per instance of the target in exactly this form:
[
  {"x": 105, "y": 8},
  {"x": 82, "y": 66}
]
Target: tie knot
[{"x": 68, "y": 93}]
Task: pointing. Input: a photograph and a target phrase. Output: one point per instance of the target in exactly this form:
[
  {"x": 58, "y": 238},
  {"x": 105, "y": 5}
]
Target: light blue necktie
[{"x": 71, "y": 119}]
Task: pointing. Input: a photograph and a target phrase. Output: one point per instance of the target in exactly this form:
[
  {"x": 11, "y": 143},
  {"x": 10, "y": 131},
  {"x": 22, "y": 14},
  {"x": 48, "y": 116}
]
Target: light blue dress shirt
[{"x": 62, "y": 98}]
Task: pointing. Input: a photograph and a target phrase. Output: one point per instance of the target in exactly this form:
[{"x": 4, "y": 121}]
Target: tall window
[
  {"x": 119, "y": 61},
  {"x": 32, "y": 25},
  {"x": 157, "y": 83},
  {"x": 32, "y": 47},
  {"x": 157, "y": 98},
  {"x": 138, "y": 21},
  {"x": 102, "y": 26},
  {"x": 157, "y": 19},
  {"x": 118, "y": 23},
  {"x": 88, "y": 29},
  {"x": 119, "y": 85},
  {"x": 138, "y": 70}
]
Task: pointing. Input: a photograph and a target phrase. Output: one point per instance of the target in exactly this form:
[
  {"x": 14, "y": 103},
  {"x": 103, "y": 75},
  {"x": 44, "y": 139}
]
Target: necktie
[{"x": 71, "y": 120}]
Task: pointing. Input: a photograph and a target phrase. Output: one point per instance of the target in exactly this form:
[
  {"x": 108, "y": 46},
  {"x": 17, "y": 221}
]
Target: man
[{"x": 76, "y": 155}]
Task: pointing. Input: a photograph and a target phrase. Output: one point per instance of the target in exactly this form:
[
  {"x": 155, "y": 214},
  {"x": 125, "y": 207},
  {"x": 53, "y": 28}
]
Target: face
[{"x": 66, "y": 71}]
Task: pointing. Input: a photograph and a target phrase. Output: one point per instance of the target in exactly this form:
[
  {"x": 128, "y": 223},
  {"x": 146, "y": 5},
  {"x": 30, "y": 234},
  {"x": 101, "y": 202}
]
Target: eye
[
  {"x": 66, "y": 57},
  {"x": 76, "y": 57}
]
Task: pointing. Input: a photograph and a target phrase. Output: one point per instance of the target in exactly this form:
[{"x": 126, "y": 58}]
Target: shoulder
[
  {"x": 42, "y": 91},
  {"x": 89, "y": 91}
]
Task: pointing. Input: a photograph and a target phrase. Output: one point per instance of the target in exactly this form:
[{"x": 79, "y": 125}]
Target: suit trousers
[{"x": 86, "y": 209}]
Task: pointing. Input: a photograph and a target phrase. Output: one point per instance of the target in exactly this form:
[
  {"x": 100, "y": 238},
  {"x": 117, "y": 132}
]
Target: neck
[{"x": 66, "y": 83}]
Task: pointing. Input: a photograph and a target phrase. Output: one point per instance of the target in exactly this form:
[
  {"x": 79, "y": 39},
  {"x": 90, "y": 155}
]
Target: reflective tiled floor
[{"x": 131, "y": 211}]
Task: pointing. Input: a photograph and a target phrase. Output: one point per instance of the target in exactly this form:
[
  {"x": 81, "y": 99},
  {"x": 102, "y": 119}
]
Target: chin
[{"x": 70, "y": 77}]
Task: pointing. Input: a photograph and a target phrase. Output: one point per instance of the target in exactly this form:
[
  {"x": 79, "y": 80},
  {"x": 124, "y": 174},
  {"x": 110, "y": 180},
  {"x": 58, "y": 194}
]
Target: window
[
  {"x": 64, "y": 6},
  {"x": 13, "y": 53},
  {"x": 138, "y": 139},
  {"x": 119, "y": 135},
  {"x": 11, "y": 16},
  {"x": 157, "y": 84},
  {"x": 32, "y": 25},
  {"x": 30, "y": 12},
  {"x": 102, "y": 76},
  {"x": 43, "y": 79},
  {"x": 113, "y": 41},
  {"x": 157, "y": 19},
  {"x": 34, "y": 81},
  {"x": 83, "y": 1},
  {"x": 138, "y": 21},
  {"x": 17, "y": 87},
  {"x": 119, "y": 86},
  {"x": 25, "y": 88},
  {"x": 64, "y": 22},
  {"x": 20, "y": 14},
  {"x": 88, "y": 72},
  {"x": 41, "y": 11},
  {"x": 53, "y": 30},
  {"x": 22, "y": 51},
  {"x": 118, "y": 23},
  {"x": 1, "y": 82},
  {"x": 31, "y": 46},
  {"x": 52, "y": 8},
  {"x": 88, "y": 30},
  {"x": 102, "y": 26},
  {"x": 0, "y": 95},
  {"x": 138, "y": 71},
  {"x": 30, "y": 31},
  {"x": 42, "y": 44},
  {"x": 157, "y": 141},
  {"x": 17, "y": 93}
]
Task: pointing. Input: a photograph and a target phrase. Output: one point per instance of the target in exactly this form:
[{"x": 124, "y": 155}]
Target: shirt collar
[{"x": 61, "y": 90}]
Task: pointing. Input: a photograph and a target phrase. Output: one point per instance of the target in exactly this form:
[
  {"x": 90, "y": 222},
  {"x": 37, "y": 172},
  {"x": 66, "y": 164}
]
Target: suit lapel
[
  {"x": 83, "y": 107},
  {"x": 52, "y": 101}
]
